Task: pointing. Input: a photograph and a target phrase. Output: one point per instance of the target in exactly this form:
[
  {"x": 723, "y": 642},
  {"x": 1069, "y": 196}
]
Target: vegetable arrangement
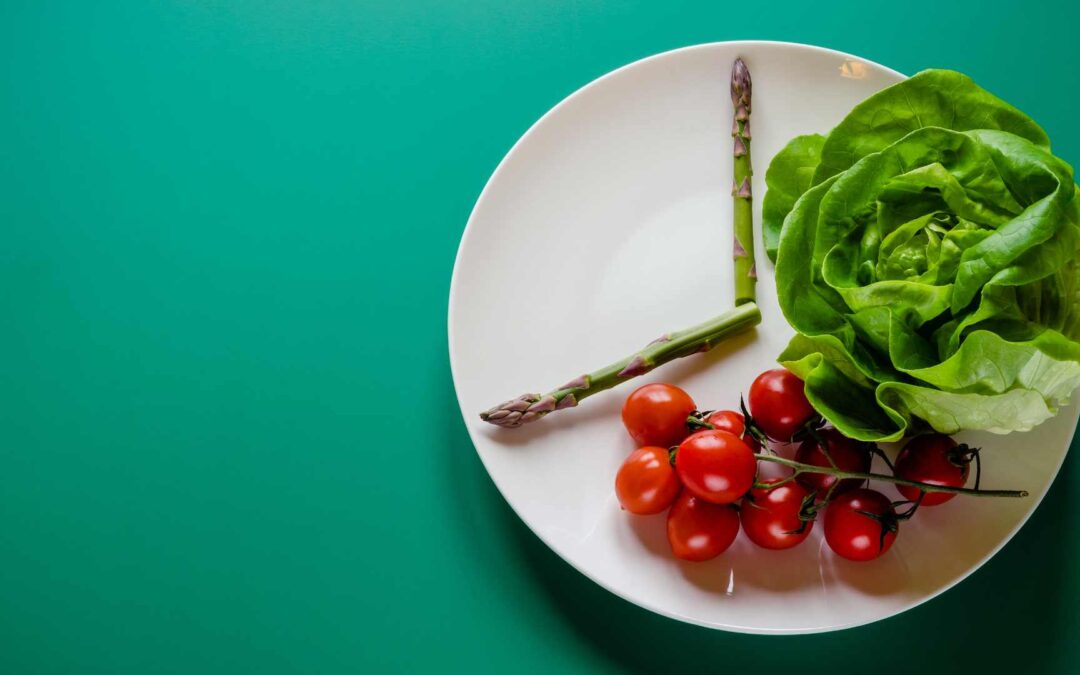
[
  {"x": 926, "y": 254},
  {"x": 940, "y": 288},
  {"x": 940, "y": 291},
  {"x": 708, "y": 482}
]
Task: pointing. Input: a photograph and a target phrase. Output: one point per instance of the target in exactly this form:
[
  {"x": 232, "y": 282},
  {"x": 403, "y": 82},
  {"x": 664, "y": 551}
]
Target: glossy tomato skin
[
  {"x": 646, "y": 482},
  {"x": 770, "y": 518},
  {"x": 932, "y": 459},
  {"x": 698, "y": 530},
  {"x": 778, "y": 403},
  {"x": 734, "y": 422},
  {"x": 848, "y": 454},
  {"x": 854, "y": 535},
  {"x": 715, "y": 466},
  {"x": 656, "y": 415}
]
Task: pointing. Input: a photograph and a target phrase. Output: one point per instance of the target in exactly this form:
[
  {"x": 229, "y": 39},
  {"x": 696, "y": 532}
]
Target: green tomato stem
[{"x": 799, "y": 467}]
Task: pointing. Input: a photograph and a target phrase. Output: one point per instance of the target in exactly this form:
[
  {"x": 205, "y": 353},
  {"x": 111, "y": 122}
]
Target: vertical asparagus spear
[{"x": 745, "y": 270}]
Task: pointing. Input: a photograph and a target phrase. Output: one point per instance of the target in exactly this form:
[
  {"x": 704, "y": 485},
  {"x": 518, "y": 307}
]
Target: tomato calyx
[
  {"x": 906, "y": 515},
  {"x": 809, "y": 507},
  {"x": 823, "y": 442},
  {"x": 962, "y": 455},
  {"x": 696, "y": 421},
  {"x": 811, "y": 429},
  {"x": 808, "y": 511},
  {"x": 875, "y": 451},
  {"x": 812, "y": 506},
  {"x": 889, "y": 521},
  {"x": 701, "y": 420},
  {"x": 752, "y": 427},
  {"x": 808, "y": 430}
]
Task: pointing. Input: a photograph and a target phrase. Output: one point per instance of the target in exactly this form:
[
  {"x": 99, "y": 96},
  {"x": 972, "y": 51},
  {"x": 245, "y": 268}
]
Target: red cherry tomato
[
  {"x": 656, "y": 415},
  {"x": 933, "y": 459},
  {"x": 698, "y": 530},
  {"x": 778, "y": 404},
  {"x": 770, "y": 517},
  {"x": 716, "y": 466},
  {"x": 734, "y": 422},
  {"x": 853, "y": 534},
  {"x": 646, "y": 482},
  {"x": 848, "y": 455}
]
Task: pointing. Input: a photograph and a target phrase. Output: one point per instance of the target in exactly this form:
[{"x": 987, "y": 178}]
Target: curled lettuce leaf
[
  {"x": 790, "y": 174},
  {"x": 932, "y": 98},
  {"x": 929, "y": 264}
]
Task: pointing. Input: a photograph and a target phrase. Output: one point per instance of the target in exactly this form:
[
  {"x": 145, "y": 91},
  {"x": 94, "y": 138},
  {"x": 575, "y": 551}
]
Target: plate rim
[{"x": 454, "y": 282}]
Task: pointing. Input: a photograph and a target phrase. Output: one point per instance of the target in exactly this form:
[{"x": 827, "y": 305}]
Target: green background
[{"x": 228, "y": 435}]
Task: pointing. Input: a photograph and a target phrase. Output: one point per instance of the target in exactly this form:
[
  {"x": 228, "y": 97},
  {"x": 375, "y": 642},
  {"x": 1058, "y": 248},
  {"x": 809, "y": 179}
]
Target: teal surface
[{"x": 228, "y": 435}]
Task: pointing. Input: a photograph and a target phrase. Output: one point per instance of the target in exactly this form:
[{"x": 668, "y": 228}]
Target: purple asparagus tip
[
  {"x": 524, "y": 409},
  {"x": 544, "y": 405},
  {"x": 512, "y": 413},
  {"x": 740, "y": 87}
]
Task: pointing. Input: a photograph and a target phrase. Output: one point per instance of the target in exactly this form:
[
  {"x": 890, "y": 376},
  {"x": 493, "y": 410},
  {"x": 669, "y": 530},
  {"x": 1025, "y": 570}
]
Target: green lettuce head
[{"x": 926, "y": 254}]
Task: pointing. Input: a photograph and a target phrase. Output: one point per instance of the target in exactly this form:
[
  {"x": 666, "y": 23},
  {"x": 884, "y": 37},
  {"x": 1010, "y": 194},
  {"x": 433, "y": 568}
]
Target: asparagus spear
[
  {"x": 745, "y": 270},
  {"x": 668, "y": 347}
]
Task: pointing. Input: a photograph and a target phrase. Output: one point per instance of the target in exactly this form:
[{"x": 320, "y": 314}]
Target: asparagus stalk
[
  {"x": 745, "y": 270},
  {"x": 668, "y": 347}
]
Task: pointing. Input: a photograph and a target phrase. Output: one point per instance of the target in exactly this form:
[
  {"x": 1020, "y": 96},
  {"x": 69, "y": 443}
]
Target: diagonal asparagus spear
[
  {"x": 745, "y": 271},
  {"x": 667, "y": 347},
  {"x": 670, "y": 346}
]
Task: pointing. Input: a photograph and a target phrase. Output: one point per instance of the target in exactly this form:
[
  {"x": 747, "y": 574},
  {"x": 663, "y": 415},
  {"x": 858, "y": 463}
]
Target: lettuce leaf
[
  {"x": 941, "y": 98},
  {"x": 929, "y": 265},
  {"x": 932, "y": 98},
  {"x": 790, "y": 174}
]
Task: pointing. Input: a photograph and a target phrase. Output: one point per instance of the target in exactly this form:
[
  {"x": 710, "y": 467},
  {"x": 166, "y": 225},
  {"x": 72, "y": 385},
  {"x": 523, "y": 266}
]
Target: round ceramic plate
[{"x": 608, "y": 224}]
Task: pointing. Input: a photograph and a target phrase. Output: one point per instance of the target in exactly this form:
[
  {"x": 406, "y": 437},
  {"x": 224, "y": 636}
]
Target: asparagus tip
[
  {"x": 515, "y": 412},
  {"x": 740, "y": 84}
]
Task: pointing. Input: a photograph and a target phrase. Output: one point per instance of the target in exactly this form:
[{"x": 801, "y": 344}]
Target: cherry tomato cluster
[{"x": 702, "y": 468}]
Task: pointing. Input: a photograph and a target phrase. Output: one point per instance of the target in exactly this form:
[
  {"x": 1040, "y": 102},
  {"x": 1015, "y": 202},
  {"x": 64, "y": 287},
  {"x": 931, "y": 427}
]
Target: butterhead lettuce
[{"x": 926, "y": 254}]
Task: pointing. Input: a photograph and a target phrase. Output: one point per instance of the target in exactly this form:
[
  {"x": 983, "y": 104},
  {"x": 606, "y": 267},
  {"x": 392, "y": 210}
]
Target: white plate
[{"x": 609, "y": 223}]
